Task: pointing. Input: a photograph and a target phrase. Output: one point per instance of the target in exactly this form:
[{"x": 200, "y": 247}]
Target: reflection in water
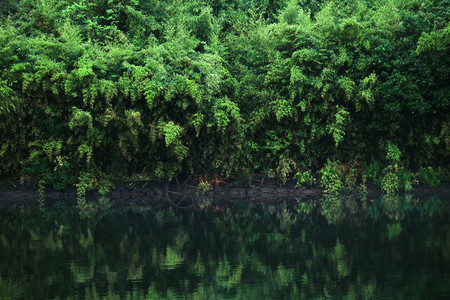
[{"x": 396, "y": 247}]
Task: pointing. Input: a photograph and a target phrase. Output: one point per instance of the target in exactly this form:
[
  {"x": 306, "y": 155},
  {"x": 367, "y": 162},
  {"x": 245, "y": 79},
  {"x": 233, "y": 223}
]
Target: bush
[
  {"x": 183, "y": 88},
  {"x": 397, "y": 179},
  {"x": 430, "y": 176},
  {"x": 332, "y": 177},
  {"x": 373, "y": 171},
  {"x": 304, "y": 177}
]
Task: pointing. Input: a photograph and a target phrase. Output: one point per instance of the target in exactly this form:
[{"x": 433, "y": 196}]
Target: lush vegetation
[{"x": 338, "y": 92}]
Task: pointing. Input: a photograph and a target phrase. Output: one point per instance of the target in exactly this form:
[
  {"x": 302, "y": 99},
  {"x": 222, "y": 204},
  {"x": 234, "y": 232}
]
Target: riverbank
[{"x": 184, "y": 195}]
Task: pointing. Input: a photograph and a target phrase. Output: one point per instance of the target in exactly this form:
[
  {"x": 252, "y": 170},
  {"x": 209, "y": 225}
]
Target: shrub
[
  {"x": 332, "y": 177},
  {"x": 373, "y": 171},
  {"x": 304, "y": 177},
  {"x": 430, "y": 176}
]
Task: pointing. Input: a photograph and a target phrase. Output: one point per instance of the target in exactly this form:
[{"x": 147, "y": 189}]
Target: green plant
[
  {"x": 373, "y": 171},
  {"x": 204, "y": 194},
  {"x": 182, "y": 88},
  {"x": 204, "y": 186},
  {"x": 332, "y": 177},
  {"x": 397, "y": 179},
  {"x": 390, "y": 180},
  {"x": 430, "y": 176},
  {"x": 284, "y": 169},
  {"x": 363, "y": 191},
  {"x": 406, "y": 179},
  {"x": 304, "y": 177},
  {"x": 351, "y": 174},
  {"x": 393, "y": 153}
]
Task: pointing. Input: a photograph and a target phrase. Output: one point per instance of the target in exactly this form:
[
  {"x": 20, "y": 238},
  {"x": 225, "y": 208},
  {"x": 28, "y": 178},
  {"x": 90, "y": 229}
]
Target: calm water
[{"x": 394, "y": 248}]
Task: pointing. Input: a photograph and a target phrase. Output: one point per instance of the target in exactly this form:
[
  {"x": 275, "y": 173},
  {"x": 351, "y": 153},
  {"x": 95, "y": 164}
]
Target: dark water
[{"x": 394, "y": 248}]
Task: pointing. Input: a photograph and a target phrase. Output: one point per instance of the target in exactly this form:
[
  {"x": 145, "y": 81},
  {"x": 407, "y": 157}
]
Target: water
[{"x": 394, "y": 248}]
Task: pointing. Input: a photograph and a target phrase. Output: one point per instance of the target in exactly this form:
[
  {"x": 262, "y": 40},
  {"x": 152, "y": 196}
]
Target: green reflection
[{"x": 334, "y": 248}]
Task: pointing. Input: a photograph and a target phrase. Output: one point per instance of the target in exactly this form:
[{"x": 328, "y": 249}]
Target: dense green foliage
[{"x": 93, "y": 90}]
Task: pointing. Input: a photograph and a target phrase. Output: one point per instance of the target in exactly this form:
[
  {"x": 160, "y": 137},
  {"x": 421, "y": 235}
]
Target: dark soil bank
[{"x": 182, "y": 195}]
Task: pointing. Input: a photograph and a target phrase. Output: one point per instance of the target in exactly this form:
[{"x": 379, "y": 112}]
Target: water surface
[{"x": 395, "y": 248}]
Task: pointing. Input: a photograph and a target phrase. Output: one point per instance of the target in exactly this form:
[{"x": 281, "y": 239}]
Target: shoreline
[{"x": 152, "y": 193}]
